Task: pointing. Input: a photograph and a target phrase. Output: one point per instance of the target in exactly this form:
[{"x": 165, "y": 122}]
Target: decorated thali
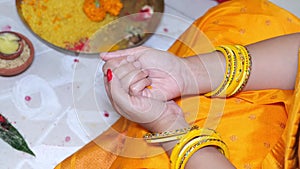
[{"x": 91, "y": 26}]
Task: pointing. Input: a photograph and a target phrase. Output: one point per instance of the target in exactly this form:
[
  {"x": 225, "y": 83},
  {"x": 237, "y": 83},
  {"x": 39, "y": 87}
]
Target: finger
[
  {"x": 124, "y": 69},
  {"x": 138, "y": 87},
  {"x": 114, "y": 105},
  {"x": 139, "y": 109},
  {"x": 156, "y": 94},
  {"x": 121, "y": 53},
  {"x": 114, "y": 87},
  {"x": 145, "y": 88},
  {"x": 108, "y": 91},
  {"x": 114, "y": 64},
  {"x": 121, "y": 112},
  {"x": 147, "y": 93},
  {"x": 131, "y": 78}
]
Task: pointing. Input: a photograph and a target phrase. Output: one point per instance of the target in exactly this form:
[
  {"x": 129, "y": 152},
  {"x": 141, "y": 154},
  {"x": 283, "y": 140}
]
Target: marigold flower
[{"x": 98, "y": 12}]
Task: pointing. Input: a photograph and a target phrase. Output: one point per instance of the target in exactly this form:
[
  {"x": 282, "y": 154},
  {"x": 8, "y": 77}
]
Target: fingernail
[{"x": 109, "y": 75}]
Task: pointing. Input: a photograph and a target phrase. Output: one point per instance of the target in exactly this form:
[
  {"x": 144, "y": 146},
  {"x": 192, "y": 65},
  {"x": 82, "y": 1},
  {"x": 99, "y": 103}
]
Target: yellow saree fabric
[{"x": 259, "y": 127}]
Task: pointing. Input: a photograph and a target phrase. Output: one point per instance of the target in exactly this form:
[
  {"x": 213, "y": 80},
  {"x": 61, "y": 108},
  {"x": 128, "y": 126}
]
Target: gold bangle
[{"x": 166, "y": 136}]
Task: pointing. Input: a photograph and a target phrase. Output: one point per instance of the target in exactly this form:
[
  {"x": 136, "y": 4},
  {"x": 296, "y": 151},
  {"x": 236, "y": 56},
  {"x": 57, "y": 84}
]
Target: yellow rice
[{"x": 60, "y": 21}]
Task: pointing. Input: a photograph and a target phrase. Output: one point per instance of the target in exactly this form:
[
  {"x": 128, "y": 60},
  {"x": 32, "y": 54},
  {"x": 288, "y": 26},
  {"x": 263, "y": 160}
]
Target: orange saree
[{"x": 260, "y": 128}]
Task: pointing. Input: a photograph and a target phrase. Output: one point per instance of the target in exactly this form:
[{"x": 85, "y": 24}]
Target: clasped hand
[{"x": 141, "y": 84}]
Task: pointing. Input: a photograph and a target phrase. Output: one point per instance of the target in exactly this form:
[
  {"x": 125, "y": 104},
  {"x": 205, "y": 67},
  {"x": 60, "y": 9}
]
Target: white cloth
[{"x": 59, "y": 104}]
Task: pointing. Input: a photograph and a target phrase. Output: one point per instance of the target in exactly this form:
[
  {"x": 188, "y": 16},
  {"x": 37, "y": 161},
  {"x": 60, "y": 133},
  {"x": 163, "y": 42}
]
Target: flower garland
[{"x": 10, "y": 135}]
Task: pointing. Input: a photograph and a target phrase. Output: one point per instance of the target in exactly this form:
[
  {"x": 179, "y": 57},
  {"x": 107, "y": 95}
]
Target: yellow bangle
[
  {"x": 237, "y": 77},
  {"x": 247, "y": 66},
  {"x": 238, "y": 69},
  {"x": 186, "y": 143},
  {"x": 194, "y": 132},
  {"x": 198, "y": 143},
  {"x": 230, "y": 86},
  {"x": 230, "y": 71}
]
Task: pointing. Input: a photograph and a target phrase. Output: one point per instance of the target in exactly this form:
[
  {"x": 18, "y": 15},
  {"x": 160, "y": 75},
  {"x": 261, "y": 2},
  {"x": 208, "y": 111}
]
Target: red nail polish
[{"x": 109, "y": 75}]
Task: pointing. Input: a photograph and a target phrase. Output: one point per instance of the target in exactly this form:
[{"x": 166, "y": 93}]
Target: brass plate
[{"x": 118, "y": 33}]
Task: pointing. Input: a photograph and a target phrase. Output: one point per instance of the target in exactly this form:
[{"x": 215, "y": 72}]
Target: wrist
[
  {"x": 209, "y": 157},
  {"x": 196, "y": 79},
  {"x": 168, "y": 146},
  {"x": 203, "y": 73},
  {"x": 172, "y": 118}
]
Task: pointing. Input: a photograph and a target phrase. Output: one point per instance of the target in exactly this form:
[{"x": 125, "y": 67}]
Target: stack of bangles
[
  {"x": 190, "y": 140},
  {"x": 238, "y": 68}
]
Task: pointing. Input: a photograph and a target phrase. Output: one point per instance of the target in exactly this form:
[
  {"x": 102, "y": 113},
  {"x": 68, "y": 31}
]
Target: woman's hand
[
  {"x": 169, "y": 76},
  {"x": 155, "y": 115}
]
